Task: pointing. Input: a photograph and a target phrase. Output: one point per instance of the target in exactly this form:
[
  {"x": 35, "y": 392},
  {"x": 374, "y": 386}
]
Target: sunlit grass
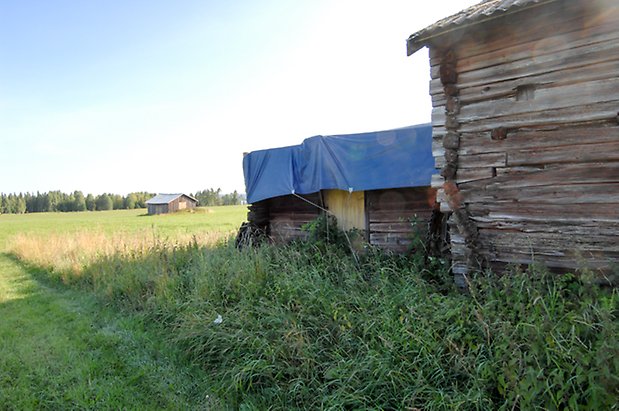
[
  {"x": 14, "y": 283},
  {"x": 62, "y": 349},
  {"x": 66, "y": 349},
  {"x": 70, "y": 253},
  {"x": 297, "y": 327}
]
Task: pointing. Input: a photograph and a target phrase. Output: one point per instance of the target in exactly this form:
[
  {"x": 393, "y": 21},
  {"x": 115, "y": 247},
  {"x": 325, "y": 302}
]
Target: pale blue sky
[{"x": 120, "y": 96}]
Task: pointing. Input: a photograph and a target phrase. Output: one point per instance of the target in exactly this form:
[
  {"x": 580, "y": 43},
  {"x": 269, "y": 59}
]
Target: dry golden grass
[{"x": 71, "y": 252}]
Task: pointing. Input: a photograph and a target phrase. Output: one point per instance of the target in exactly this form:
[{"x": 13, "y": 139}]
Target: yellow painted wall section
[{"x": 348, "y": 208}]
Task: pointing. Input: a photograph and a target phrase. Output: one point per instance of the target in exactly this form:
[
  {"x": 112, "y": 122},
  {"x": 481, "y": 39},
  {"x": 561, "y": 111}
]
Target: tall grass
[
  {"x": 69, "y": 254},
  {"x": 307, "y": 327}
]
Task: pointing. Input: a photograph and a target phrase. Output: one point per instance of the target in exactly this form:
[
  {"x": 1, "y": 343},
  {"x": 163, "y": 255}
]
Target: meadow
[
  {"x": 164, "y": 312},
  {"x": 63, "y": 348}
]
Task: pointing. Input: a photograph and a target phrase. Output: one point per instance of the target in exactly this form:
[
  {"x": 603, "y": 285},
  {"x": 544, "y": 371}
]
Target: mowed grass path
[{"x": 63, "y": 349}]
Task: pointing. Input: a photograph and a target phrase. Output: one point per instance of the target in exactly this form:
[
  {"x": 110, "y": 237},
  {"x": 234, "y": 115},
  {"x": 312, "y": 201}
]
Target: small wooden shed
[
  {"x": 170, "y": 203},
  {"x": 525, "y": 97},
  {"x": 377, "y": 183}
]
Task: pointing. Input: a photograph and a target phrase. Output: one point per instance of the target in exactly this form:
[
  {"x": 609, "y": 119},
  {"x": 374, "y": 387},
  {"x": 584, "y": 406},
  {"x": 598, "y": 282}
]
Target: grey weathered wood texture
[
  {"x": 282, "y": 218},
  {"x": 396, "y": 216},
  {"x": 525, "y": 126},
  {"x": 393, "y": 216}
]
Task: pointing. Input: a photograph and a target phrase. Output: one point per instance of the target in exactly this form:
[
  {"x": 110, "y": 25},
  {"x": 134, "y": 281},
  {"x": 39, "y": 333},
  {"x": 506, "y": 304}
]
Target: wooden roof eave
[{"x": 424, "y": 37}]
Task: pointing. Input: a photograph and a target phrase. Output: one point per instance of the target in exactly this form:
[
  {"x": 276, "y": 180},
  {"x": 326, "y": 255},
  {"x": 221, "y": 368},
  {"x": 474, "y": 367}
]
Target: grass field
[
  {"x": 65, "y": 349},
  {"x": 184, "y": 320},
  {"x": 204, "y": 220}
]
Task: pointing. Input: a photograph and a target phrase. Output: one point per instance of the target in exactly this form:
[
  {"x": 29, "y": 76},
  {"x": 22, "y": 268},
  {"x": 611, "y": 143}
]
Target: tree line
[
  {"x": 214, "y": 197},
  {"x": 53, "y": 201},
  {"x": 57, "y": 201}
]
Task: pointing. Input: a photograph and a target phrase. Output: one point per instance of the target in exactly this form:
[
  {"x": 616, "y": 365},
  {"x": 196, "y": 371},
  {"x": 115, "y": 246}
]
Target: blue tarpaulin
[{"x": 353, "y": 162}]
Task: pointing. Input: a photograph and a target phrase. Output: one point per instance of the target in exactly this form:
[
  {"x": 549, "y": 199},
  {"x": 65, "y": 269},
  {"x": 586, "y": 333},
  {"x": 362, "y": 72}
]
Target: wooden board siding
[
  {"x": 390, "y": 217},
  {"x": 157, "y": 208},
  {"x": 348, "y": 208},
  {"x": 287, "y": 214},
  {"x": 396, "y": 215},
  {"x": 173, "y": 205},
  {"x": 528, "y": 124},
  {"x": 186, "y": 203}
]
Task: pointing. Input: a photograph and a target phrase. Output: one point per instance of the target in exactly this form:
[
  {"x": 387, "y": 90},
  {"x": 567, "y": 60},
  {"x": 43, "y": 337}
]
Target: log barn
[
  {"x": 525, "y": 97},
  {"x": 377, "y": 183},
  {"x": 170, "y": 203}
]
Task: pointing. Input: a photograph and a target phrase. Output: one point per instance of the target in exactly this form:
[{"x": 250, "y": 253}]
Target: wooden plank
[
  {"x": 437, "y": 181},
  {"x": 438, "y": 99},
  {"x": 510, "y": 171},
  {"x": 555, "y": 136},
  {"x": 400, "y": 199},
  {"x": 406, "y": 228},
  {"x": 549, "y": 243},
  {"x": 389, "y": 238},
  {"x": 510, "y": 211},
  {"x": 440, "y": 162},
  {"x": 565, "y": 154},
  {"x": 293, "y": 216},
  {"x": 547, "y": 44},
  {"x": 438, "y": 132},
  {"x": 600, "y": 264},
  {"x": 583, "y": 228},
  {"x": 482, "y": 160},
  {"x": 492, "y": 91},
  {"x": 437, "y": 148},
  {"x": 605, "y": 111},
  {"x": 556, "y": 176},
  {"x": 473, "y": 174},
  {"x": 418, "y": 204},
  {"x": 438, "y": 116},
  {"x": 294, "y": 207},
  {"x": 400, "y": 216},
  {"x": 582, "y": 55},
  {"x": 552, "y": 98},
  {"x": 562, "y": 194},
  {"x": 530, "y": 64},
  {"x": 292, "y": 203}
]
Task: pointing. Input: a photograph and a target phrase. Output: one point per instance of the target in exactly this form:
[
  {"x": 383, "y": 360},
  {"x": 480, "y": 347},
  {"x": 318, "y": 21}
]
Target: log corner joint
[{"x": 451, "y": 142}]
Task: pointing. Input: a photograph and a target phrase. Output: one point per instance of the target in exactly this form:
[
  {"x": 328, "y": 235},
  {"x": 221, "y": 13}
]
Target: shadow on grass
[
  {"x": 307, "y": 327},
  {"x": 61, "y": 349}
]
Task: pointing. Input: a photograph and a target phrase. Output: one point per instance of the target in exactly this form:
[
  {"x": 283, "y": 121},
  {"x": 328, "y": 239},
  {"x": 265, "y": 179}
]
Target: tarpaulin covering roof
[{"x": 353, "y": 162}]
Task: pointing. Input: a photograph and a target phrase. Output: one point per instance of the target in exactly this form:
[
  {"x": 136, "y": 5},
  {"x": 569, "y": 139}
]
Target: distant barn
[
  {"x": 376, "y": 182},
  {"x": 170, "y": 203}
]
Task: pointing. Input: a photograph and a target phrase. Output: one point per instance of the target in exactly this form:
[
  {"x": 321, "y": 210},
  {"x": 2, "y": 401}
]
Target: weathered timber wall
[
  {"x": 394, "y": 216},
  {"x": 282, "y": 217},
  {"x": 157, "y": 208},
  {"x": 186, "y": 203},
  {"x": 174, "y": 205},
  {"x": 525, "y": 125},
  {"x": 391, "y": 217}
]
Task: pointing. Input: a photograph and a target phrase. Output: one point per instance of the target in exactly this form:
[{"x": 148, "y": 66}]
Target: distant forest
[{"x": 57, "y": 201}]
